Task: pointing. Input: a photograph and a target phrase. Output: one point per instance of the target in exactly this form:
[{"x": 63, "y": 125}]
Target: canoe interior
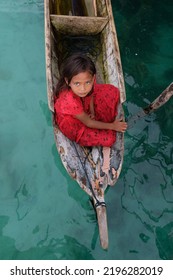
[
  {"x": 97, "y": 167},
  {"x": 108, "y": 62},
  {"x": 77, "y": 8}
]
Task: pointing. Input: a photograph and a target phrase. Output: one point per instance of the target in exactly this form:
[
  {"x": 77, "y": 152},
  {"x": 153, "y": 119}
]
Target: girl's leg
[
  {"x": 97, "y": 137},
  {"x": 85, "y": 136},
  {"x": 106, "y": 102},
  {"x": 71, "y": 128}
]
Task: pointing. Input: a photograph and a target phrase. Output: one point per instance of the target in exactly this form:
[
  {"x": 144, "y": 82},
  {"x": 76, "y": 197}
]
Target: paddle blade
[
  {"x": 156, "y": 104},
  {"x": 160, "y": 100}
]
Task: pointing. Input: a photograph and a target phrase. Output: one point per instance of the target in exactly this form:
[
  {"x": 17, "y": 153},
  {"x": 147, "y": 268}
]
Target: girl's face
[{"x": 82, "y": 84}]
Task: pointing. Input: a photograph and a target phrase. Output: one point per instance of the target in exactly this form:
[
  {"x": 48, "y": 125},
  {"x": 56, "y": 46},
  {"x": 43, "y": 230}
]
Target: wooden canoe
[{"x": 97, "y": 167}]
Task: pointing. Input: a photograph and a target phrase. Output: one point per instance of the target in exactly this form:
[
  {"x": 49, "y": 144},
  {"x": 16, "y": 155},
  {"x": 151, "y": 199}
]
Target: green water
[{"x": 43, "y": 212}]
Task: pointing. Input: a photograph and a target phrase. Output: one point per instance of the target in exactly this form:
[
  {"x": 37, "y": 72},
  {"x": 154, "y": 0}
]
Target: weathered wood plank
[{"x": 76, "y": 25}]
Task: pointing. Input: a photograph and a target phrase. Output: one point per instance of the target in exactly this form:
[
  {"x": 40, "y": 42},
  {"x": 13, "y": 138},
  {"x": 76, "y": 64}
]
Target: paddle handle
[{"x": 156, "y": 104}]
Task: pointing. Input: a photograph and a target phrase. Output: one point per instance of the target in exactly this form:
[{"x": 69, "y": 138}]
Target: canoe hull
[{"x": 97, "y": 167}]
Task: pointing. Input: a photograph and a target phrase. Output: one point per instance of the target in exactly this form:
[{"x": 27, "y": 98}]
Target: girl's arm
[{"x": 116, "y": 125}]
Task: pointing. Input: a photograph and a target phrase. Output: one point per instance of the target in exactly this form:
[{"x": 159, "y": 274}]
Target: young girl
[{"x": 85, "y": 111}]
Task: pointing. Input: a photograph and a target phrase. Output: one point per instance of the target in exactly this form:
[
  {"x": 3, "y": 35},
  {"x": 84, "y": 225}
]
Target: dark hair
[{"x": 71, "y": 67}]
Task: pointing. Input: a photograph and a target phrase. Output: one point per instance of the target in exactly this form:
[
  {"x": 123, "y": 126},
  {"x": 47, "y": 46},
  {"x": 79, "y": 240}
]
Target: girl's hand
[
  {"x": 119, "y": 126},
  {"x": 86, "y": 119}
]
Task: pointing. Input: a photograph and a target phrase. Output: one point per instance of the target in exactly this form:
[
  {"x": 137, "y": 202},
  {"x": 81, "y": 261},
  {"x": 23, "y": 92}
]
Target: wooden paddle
[{"x": 156, "y": 104}]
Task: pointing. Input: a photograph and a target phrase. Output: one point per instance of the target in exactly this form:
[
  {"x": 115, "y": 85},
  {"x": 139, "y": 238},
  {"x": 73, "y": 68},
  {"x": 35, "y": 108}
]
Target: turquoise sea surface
[{"x": 43, "y": 212}]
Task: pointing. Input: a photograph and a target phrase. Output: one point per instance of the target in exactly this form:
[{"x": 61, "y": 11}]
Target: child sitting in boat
[{"x": 84, "y": 110}]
